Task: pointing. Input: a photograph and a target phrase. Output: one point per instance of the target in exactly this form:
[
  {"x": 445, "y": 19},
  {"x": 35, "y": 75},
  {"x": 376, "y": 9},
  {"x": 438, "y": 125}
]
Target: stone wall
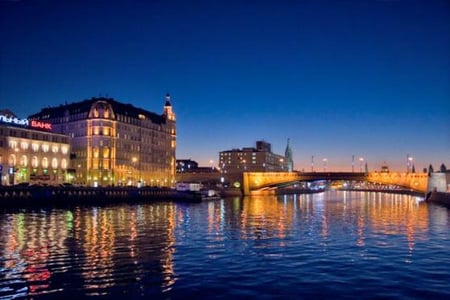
[{"x": 437, "y": 182}]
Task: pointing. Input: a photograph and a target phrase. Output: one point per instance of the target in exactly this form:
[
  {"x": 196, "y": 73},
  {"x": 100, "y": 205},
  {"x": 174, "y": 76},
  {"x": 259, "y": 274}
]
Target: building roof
[{"x": 86, "y": 105}]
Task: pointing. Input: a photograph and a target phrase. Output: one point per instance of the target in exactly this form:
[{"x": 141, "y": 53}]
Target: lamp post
[
  {"x": 133, "y": 160},
  {"x": 411, "y": 164},
  {"x": 361, "y": 164}
]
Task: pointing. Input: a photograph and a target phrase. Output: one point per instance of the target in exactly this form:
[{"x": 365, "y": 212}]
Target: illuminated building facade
[
  {"x": 115, "y": 143},
  {"x": 31, "y": 153},
  {"x": 249, "y": 159}
]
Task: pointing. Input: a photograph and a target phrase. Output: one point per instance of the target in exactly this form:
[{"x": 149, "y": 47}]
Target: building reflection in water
[
  {"x": 26, "y": 244},
  {"x": 108, "y": 247}
]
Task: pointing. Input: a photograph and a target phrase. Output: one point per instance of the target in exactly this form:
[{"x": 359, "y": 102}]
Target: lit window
[
  {"x": 34, "y": 162},
  {"x": 64, "y": 163},
  {"x": 45, "y": 147},
  {"x": 45, "y": 162},
  {"x": 55, "y": 149},
  {"x": 24, "y": 161},
  {"x": 12, "y": 144},
  {"x": 12, "y": 160},
  {"x": 24, "y": 145},
  {"x": 64, "y": 149},
  {"x": 54, "y": 163}
]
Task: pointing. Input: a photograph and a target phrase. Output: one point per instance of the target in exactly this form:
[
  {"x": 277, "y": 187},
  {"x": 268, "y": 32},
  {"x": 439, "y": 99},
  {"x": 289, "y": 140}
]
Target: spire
[
  {"x": 168, "y": 100},
  {"x": 288, "y": 158}
]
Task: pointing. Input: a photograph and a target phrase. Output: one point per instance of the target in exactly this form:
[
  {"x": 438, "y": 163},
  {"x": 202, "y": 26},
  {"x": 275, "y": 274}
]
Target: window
[{"x": 35, "y": 147}]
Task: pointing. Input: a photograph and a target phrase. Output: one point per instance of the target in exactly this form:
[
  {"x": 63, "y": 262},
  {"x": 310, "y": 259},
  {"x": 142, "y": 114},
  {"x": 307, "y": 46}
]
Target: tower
[
  {"x": 171, "y": 120},
  {"x": 170, "y": 115},
  {"x": 288, "y": 158}
]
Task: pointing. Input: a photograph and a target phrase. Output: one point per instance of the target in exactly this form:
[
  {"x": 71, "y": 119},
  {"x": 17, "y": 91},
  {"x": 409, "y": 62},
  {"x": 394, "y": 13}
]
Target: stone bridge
[{"x": 421, "y": 182}]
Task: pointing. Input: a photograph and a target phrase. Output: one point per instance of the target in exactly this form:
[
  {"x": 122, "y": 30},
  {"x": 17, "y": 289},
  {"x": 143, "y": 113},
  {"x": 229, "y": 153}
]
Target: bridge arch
[{"x": 253, "y": 181}]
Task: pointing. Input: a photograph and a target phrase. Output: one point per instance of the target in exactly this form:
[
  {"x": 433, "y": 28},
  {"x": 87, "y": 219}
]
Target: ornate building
[
  {"x": 31, "y": 153},
  {"x": 115, "y": 143}
]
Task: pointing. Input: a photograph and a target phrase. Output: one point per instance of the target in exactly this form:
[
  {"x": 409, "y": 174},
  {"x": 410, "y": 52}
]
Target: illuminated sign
[
  {"x": 42, "y": 125},
  {"x": 24, "y": 122},
  {"x": 13, "y": 120}
]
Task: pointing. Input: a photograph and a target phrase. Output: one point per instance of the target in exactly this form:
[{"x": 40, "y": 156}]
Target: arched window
[
  {"x": 12, "y": 160},
  {"x": 34, "y": 162},
  {"x": 24, "y": 161},
  {"x": 55, "y": 163},
  {"x": 45, "y": 162},
  {"x": 64, "y": 163}
]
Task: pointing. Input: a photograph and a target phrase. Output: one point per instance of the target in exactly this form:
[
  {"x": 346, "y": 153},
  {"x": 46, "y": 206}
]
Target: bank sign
[{"x": 26, "y": 123}]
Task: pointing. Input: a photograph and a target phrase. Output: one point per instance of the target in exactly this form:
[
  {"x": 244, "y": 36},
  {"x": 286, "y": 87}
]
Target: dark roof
[{"x": 85, "y": 106}]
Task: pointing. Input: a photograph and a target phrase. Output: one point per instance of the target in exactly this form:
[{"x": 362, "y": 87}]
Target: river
[{"x": 334, "y": 244}]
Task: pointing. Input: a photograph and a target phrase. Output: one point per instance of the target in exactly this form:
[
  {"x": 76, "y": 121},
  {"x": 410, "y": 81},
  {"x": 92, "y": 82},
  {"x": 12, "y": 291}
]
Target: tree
[{"x": 443, "y": 168}]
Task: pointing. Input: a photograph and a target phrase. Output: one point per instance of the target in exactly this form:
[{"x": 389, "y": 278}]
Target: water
[{"x": 330, "y": 245}]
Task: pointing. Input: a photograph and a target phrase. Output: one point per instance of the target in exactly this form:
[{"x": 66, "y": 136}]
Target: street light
[
  {"x": 361, "y": 164},
  {"x": 133, "y": 160},
  {"x": 411, "y": 164}
]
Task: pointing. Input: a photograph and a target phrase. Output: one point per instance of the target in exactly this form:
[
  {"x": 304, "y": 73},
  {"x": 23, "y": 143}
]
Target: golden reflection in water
[
  {"x": 100, "y": 231},
  {"x": 97, "y": 240},
  {"x": 387, "y": 214},
  {"x": 133, "y": 235},
  {"x": 167, "y": 264},
  {"x": 265, "y": 217},
  {"x": 215, "y": 220}
]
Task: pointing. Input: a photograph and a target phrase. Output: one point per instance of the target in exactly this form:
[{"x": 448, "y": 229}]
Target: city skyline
[{"x": 362, "y": 79}]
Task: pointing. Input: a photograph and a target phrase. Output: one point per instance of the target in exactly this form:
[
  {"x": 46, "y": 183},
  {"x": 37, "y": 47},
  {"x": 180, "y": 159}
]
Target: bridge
[{"x": 420, "y": 182}]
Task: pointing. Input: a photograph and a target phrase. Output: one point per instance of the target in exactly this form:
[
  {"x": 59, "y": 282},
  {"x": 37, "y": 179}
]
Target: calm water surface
[{"x": 329, "y": 245}]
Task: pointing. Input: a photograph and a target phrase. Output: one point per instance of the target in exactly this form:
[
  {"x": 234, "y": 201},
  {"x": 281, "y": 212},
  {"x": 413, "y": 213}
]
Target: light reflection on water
[{"x": 329, "y": 244}]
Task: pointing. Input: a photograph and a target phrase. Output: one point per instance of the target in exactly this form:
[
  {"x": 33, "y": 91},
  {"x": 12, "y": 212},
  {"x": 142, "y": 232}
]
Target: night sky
[{"x": 339, "y": 78}]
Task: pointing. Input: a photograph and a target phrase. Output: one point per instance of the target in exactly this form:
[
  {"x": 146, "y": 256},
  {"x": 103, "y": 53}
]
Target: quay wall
[
  {"x": 56, "y": 196},
  {"x": 438, "y": 197}
]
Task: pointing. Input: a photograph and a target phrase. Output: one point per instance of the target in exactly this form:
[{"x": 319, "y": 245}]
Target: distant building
[
  {"x": 249, "y": 159},
  {"x": 115, "y": 143},
  {"x": 31, "y": 153},
  {"x": 186, "y": 165}
]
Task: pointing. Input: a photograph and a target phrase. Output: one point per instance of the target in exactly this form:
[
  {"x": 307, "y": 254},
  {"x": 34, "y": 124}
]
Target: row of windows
[
  {"x": 33, "y": 135},
  {"x": 36, "y": 162},
  {"x": 25, "y": 145}
]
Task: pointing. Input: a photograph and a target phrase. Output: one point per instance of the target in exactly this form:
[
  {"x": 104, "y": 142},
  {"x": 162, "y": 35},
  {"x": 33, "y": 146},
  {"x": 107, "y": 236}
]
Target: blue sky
[{"x": 339, "y": 78}]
